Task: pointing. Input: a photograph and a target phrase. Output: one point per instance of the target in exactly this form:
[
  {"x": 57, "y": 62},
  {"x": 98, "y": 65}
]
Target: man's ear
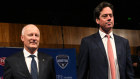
[
  {"x": 97, "y": 21},
  {"x": 22, "y": 38}
]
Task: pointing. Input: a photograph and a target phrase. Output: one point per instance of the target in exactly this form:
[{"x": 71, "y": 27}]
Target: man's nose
[
  {"x": 108, "y": 18},
  {"x": 34, "y": 37}
]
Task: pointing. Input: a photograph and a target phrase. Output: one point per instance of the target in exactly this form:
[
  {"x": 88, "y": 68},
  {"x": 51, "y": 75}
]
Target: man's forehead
[
  {"x": 31, "y": 27},
  {"x": 106, "y": 10},
  {"x": 107, "y": 13}
]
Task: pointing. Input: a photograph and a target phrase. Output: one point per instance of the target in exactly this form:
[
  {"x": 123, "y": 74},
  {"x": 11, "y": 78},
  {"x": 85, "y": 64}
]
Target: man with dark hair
[{"x": 104, "y": 55}]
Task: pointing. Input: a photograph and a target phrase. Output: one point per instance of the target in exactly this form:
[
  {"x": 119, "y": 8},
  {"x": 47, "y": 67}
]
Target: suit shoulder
[
  {"x": 14, "y": 56},
  {"x": 45, "y": 55},
  {"x": 89, "y": 37},
  {"x": 120, "y": 37}
]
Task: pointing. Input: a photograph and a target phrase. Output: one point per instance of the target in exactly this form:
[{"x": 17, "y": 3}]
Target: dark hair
[{"x": 100, "y": 7}]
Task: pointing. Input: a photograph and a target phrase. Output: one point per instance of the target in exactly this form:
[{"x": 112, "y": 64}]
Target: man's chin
[
  {"x": 109, "y": 26},
  {"x": 34, "y": 47}
]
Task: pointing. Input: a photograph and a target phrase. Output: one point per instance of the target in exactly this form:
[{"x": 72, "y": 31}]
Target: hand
[{"x": 135, "y": 64}]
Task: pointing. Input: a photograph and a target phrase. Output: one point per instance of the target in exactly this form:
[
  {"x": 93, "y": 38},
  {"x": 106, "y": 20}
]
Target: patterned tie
[
  {"x": 111, "y": 58},
  {"x": 33, "y": 67}
]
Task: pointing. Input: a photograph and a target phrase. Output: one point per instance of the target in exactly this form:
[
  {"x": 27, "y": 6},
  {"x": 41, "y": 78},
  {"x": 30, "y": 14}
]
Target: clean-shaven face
[{"x": 31, "y": 37}]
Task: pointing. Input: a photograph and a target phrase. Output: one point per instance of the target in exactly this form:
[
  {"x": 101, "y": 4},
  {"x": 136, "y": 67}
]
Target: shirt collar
[
  {"x": 102, "y": 34},
  {"x": 27, "y": 54}
]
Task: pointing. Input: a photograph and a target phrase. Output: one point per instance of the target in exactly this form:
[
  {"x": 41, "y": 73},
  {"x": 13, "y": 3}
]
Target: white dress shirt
[
  {"x": 104, "y": 39},
  {"x": 29, "y": 59}
]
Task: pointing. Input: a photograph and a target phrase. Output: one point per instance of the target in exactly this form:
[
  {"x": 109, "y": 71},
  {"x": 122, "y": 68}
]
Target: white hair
[{"x": 24, "y": 28}]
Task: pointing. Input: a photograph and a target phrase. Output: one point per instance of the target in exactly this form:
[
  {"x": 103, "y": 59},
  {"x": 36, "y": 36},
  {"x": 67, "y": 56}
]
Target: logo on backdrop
[
  {"x": 62, "y": 60},
  {"x": 2, "y": 61}
]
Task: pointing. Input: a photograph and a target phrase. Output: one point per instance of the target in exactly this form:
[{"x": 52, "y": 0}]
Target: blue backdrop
[{"x": 65, "y": 60}]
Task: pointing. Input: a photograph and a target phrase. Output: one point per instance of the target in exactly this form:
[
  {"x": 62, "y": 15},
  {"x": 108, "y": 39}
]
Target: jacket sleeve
[
  {"x": 7, "y": 71},
  {"x": 129, "y": 67},
  {"x": 83, "y": 60},
  {"x": 53, "y": 70}
]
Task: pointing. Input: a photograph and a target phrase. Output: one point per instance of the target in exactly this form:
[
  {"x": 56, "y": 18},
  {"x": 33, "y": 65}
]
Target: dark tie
[
  {"x": 33, "y": 67},
  {"x": 111, "y": 58}
]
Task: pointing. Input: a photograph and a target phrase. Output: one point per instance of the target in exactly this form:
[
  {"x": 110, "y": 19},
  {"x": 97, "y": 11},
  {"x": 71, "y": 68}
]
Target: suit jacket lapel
[
  {"x": 118, "y": 47},
  {"x": 100, "y": 44},
  {"x": 23, "y": 65}
]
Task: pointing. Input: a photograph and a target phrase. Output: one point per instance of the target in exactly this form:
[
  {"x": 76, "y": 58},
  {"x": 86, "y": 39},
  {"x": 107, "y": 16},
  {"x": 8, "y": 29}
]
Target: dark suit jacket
[
  {"x": 93, "y": 63},
  {"x": 15, "y": 67}
]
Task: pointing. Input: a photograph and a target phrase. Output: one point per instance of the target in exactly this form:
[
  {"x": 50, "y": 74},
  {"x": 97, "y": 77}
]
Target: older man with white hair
[{"x": 29, "y": 64}]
